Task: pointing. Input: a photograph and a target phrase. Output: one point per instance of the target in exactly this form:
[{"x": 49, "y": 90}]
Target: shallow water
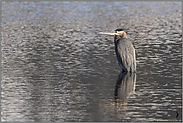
[{"x": 56, "y": 67}]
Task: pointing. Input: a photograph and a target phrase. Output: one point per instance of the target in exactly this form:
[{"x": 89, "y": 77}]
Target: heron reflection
[
  {"x": 125, "y": 51},
  {"x": 125, "y": 85}
]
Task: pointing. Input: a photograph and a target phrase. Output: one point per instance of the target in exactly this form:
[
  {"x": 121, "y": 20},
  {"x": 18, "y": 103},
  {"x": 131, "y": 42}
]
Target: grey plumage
[{"x": 125, "y": 54}]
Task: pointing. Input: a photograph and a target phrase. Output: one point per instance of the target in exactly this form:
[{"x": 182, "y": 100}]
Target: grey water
[{"x": 57, "y": 67}]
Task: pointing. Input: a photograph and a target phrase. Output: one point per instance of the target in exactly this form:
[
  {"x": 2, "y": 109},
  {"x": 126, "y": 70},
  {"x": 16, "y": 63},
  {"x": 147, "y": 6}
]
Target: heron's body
[
  {"x": 125, "y": 54},
  {"x": 125, "y": 51}
]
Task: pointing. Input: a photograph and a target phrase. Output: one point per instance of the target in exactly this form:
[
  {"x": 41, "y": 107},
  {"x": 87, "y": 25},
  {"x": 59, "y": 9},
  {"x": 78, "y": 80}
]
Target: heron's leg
[
  {"x": 123, "y": 68},
  {"x": 124, "y": 71}
]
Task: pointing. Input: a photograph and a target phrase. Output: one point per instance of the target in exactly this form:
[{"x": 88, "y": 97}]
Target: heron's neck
[
  {"x": 116, "y": 41},
  {"x": 124, "y": 35},
  {"x": 117, "y": 37}
]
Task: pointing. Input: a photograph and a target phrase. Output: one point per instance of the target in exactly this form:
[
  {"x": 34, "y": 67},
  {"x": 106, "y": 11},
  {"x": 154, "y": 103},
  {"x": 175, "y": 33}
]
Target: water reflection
[{"x": 125, "y": 86}]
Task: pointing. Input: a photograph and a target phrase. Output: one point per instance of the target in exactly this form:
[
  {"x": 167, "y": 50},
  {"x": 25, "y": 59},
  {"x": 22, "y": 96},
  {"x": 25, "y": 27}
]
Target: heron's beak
[{"x": 108, "y": 33}]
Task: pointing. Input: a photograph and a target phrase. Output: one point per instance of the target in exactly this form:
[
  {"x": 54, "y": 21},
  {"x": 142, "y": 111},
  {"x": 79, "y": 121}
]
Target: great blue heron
[{"x": 125, "y": 51}]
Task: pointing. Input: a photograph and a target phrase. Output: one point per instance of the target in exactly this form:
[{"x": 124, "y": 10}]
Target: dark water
[{"x": 56, "y": 67}]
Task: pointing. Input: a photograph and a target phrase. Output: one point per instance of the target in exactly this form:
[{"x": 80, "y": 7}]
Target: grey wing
[{"x": 127, "y": 54}]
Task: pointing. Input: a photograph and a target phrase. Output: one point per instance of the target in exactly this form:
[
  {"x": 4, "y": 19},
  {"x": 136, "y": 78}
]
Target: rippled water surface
[{"x": 56, "y": 67}]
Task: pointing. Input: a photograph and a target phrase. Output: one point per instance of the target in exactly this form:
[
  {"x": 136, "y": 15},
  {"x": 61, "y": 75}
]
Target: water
[{"x": 56, "y": 67}]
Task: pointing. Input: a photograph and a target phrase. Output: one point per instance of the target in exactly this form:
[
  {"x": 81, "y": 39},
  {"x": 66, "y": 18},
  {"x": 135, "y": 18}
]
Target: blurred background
[{"x": 56, "y": 66}]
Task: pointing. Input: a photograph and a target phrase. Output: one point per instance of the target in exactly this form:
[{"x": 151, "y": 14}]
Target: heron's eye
[{"x": 116, "y": 31}]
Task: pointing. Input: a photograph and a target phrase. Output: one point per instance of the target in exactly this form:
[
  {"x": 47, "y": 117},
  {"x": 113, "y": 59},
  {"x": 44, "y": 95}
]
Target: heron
[{"x": 125, "y": 52}]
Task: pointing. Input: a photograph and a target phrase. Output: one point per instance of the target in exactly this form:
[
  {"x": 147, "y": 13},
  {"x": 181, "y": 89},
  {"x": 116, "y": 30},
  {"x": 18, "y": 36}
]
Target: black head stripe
[{"x": 119, "y": 30}]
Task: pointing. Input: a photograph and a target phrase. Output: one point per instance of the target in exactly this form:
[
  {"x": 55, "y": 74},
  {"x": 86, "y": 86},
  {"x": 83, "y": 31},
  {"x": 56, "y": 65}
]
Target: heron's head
[{"x": 119, "y": 33}]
